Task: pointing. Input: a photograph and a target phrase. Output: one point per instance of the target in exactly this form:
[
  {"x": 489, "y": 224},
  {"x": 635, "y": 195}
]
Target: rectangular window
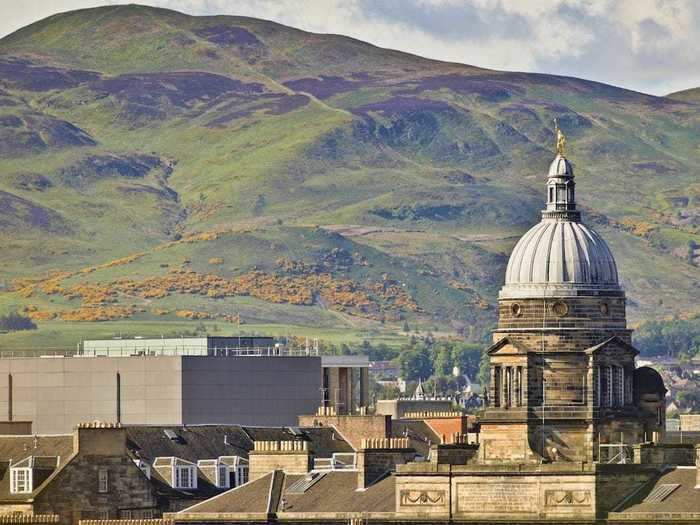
[
  {"x": 185, "y": 477},
  {"x": 561, "y": 194},
  {"x": 619, "y": 386},
  {"x": 241, "y": 475},
  {"x": 520, "y": 386},
  {"x": 222, "y": 477},
  {"x": 21, "y": 481},
  {"x": 497, "y": 386},
  {"x": 103, "y": 481}
]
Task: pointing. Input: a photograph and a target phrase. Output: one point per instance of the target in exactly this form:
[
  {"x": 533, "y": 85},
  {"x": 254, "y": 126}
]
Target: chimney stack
[{"x": 697, "y": 466}]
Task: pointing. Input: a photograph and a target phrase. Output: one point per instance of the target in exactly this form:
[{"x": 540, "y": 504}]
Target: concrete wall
[
  {"x": 58, "y": 393},
  {"x": 268, "y": 391}
]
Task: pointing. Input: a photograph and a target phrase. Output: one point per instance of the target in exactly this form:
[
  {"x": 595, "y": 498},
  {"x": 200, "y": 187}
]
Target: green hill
[
  {"x": 159, "y": 170},
  {"x": 687, "y": 95}
]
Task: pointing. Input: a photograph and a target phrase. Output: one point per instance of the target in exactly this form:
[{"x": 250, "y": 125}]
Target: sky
[{"x": 645, "y": 45}]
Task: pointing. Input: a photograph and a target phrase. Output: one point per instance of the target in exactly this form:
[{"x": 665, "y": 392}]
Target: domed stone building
[{"x": 563, "y": 377}]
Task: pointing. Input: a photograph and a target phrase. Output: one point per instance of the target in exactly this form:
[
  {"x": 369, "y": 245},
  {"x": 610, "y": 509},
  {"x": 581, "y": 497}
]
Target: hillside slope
[
  {"x": 165, "y": 169},
  {"x": 687, "y": 95}
]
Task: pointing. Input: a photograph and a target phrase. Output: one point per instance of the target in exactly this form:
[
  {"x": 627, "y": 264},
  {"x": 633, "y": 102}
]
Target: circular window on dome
[
  {"x": 604, "y": 308},
  {"x": 560, "y": 309},
  {"x": 516, "y": 310}
]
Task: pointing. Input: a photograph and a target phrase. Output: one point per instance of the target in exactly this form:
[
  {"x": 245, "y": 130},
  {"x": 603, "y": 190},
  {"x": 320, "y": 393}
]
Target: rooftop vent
[
  {"x": 296, "y": 431},
  {"x": 171, "y": 435},
  {"x": 661, "y": 492},
  {"x": 303, "y": 484}
]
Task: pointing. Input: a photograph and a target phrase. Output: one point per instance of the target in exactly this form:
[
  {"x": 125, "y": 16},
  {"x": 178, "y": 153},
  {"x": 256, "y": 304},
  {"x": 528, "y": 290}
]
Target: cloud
[{"x": 646, "y": 45}]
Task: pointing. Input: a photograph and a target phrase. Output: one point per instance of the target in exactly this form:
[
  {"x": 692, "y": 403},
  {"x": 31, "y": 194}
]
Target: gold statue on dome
[{"x": 561, "y": 138}]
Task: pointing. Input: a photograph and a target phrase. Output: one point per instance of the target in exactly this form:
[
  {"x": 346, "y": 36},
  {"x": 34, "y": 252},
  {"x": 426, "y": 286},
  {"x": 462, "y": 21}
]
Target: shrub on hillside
[{"x": 13, "y": 322}]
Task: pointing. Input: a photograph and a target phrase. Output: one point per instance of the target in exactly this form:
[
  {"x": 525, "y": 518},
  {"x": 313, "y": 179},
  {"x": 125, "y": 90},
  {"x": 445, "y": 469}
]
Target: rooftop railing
[{"x": 164, "y": 350}]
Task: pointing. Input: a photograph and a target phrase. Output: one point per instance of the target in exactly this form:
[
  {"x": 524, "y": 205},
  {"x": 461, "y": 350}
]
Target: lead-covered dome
[
  {"x": 560, "y": 255},
  {"x": 560, "y": 167}
]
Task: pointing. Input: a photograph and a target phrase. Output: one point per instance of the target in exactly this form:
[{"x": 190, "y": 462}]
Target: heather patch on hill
[{"x": 144, "y": 135}]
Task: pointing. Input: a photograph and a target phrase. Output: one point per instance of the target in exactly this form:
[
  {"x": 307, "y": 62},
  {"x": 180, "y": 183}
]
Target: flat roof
[{"x": 347, "y": 361}]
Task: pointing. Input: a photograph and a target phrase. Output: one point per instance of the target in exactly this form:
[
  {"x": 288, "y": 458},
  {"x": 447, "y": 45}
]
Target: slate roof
[
  {"x": 193, "y": 442},
  {"x": 48, "y": 450},
  {"x": 251, "y": 497},
  {"x": 334, "y": 492},
  {"x": 420, "y": 435},
  {"x": 323, "y": 441},
  {"x": 684, "y": 499}
]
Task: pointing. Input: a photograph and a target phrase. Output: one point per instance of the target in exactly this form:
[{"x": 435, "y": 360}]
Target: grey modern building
[{"x": 267, "y": 386}]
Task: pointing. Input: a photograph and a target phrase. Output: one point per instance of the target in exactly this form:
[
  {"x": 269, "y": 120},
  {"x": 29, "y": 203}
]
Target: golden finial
[{"x": 561, "y": 138}]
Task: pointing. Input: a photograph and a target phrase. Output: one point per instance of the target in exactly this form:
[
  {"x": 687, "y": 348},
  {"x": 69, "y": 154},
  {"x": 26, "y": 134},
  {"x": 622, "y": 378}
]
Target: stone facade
[
  {"x": 353, "y": 428},
  {"x": 75, "y": 492},
  {"x": 292, "y": 457},
  {"x": 556, "y": 492},
  {"x": 562, "y": 365}
]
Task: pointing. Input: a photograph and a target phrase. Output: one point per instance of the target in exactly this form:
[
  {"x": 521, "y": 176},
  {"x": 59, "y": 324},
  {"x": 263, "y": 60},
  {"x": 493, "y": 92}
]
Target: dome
[
  {"x": 559, "y": 255},
  {"x": 649, "y": 381},
  {"x": 560, "y": 167}
]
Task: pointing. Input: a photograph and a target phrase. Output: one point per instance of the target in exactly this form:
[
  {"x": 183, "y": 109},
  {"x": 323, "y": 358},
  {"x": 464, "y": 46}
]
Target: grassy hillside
[
  {"x": 687, "y": 95},
  {"x": 159, "y": 171}
]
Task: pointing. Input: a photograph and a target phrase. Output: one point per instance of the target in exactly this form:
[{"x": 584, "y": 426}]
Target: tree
[
  {"x": 14, "y": 322},
  {"x": 416, "y": 363}
]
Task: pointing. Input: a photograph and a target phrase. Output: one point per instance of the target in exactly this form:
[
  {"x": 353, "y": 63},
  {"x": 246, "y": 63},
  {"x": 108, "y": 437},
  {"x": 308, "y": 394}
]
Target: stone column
[
  {"x": 364, "y": 387},
  {"x": 504, "y": 387},
  {"x": 590, "y": 392}
]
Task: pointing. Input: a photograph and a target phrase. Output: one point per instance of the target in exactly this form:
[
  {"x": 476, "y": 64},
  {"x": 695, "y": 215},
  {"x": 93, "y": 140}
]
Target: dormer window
[
  {"x": 237, "y": 470},
  {"x": 20, "y": 480}
]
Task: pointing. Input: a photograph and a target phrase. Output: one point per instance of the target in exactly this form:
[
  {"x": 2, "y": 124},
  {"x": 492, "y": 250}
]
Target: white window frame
[
  {"x": 178, "y": 477},
  {"x": 223, "y": 478},
  {"x": 15, "y": 487},
  {"x": 241, "y": 476},
  {"x": 102, "y": 480}
]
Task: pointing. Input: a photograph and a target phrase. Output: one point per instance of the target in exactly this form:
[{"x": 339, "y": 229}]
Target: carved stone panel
[
  {"x": 421, "y": 498},
  {"x": 567, "y": 498}
]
